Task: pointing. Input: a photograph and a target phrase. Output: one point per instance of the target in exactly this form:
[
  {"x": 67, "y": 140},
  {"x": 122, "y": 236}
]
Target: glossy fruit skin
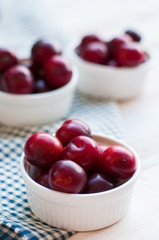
[
  {"x": 98, "y": 182},
  {"x": 17, "y": 79},
  {"x": 67, "y": 176},
  {"x": 90, "y": 38},
  {"x": 95, "y": 52},
  {"x": 58, "y": 71},
  {"x": 33, "y": 171},
  {"x": 40, "y": 86},
  {"x": 134, "y": 35},
  {"x": 129, "y": 55},
  {"x": 7, "y": 59},
  {"x": 72, "y": 128},
  {"x": 42, "y": 150},
  {"x": 83, "y": 150},
  {"x": 118, "y": 162},
  {"x": 42, "y": 179},
  {"x": 97, "y": 166},
  {"x": 42, "y": 50},
  {"x": 116, "y": 42}
]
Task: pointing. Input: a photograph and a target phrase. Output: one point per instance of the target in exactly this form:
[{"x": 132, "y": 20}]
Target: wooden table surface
[{"x": 140, "y": 116}]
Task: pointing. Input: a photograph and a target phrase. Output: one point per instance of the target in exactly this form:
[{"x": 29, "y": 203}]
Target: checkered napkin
[{"x": 16, "y": 219}]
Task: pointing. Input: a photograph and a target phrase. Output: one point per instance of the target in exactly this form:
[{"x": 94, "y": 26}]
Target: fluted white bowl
[
  {"x": 107, "y": 82},
  {"x": 80, "y": 212},
  {"x": 39, "y": 108}
]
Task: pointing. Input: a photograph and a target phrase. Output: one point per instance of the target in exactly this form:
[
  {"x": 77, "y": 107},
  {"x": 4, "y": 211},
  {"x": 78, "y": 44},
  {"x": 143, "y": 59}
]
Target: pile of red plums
[
  {"x": 121, "y": 51},
  {"x": 47, "y": 69},
  {"x": 73, "y": 162}
]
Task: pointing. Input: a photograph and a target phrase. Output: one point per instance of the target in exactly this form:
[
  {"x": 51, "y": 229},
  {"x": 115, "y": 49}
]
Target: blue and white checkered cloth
[{"x": 16, "y": 219}]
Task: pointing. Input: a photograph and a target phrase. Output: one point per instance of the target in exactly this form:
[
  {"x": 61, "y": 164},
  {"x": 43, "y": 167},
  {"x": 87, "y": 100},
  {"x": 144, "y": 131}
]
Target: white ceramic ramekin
[
  {"x": 80, "y": 212},
  {"x": 106, "y": 82},
  {"x": 40, "y": 108}
]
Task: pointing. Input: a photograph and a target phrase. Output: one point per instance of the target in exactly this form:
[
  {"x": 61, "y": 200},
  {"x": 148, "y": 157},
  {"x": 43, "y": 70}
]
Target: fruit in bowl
[
  {"x": 39, "y": 89},
  {"x": 17, "y": 79},
  {"x": 41, "y": 149},
  {"x": 42, "y": 50},
  {"x": 67, "y": 176},
  {"x": 124, "y": 50},
  {"x": 8, "y": 58},
  {"x": 71, "y": 129},
  {"x": 57, "y": 71},
  {"x": 46, "y": 67},
  {"x": 67, "y": 195},
  {"x": 67, "y": 168},
  {"x": 115, "y": 68},
  {"x": 95, "y": 52}
]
